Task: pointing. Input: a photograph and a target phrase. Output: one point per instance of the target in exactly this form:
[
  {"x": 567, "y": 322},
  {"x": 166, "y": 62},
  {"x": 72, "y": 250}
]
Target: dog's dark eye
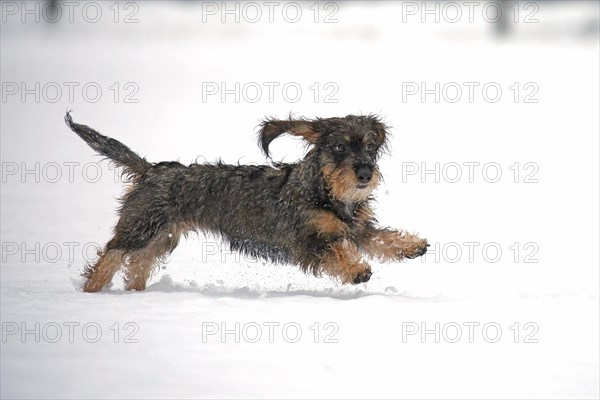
[
  {"x": 370, "y": 147},
  {"x": 339, "y": 148}
]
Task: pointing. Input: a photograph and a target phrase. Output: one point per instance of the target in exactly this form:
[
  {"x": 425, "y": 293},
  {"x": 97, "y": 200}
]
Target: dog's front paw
[
  {"x": 415, "y": 247},
  {"x": 362, "y": 277}
]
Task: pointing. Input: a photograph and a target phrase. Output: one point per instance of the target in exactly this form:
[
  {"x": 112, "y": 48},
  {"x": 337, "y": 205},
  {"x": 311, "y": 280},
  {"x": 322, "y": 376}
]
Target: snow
[{"x": 167, "y": 341}]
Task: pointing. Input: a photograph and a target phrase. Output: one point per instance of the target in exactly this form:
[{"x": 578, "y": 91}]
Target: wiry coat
[{"x": 313, "y": 213}]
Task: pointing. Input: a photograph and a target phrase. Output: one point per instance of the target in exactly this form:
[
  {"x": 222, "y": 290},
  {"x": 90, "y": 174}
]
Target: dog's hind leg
[
  {"x": 102, "y": 272},
  {"x": 141, "y": 263}
]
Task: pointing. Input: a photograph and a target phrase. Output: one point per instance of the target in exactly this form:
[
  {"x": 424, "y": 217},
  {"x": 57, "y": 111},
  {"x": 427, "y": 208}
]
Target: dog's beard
[
  {"x": 357, "y": 194},
  {"x": 343, "y": 185}
]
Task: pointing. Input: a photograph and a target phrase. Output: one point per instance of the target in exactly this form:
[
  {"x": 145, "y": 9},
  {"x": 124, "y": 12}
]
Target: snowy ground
[{"x": 513, "y": 267}]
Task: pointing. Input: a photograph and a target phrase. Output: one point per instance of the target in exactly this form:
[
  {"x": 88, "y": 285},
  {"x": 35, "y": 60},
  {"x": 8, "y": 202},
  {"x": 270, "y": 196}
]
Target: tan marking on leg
[
  {"x": 326, "y": 223},
  {"x": 141, "y": 263},
  {"x": 103, "y": 270},
  {"x": 342, "y": 261},
  {"x": 139, "y": 268}
]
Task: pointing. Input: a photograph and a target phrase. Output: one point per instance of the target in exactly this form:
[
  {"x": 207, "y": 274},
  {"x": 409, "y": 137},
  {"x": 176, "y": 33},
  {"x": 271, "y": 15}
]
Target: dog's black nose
[{"x": 364, "y": 174}]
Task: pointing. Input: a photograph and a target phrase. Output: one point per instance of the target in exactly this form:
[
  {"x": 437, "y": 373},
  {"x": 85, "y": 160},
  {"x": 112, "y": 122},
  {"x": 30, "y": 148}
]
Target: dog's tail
[{"x": 123, "y": 156}]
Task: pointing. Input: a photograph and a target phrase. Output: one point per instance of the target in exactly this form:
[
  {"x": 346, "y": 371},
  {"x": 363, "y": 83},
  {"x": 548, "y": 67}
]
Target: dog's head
[{"x": 346, "y": 150}]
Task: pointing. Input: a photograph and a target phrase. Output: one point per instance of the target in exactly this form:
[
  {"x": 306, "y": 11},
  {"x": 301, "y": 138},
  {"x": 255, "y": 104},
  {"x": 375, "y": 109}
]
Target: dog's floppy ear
[
  {"x": 381, "y": 131},
  {"x": 270, "y": 129}
]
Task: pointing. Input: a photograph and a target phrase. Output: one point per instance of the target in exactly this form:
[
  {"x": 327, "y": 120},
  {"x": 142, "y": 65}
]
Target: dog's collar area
[
  {"x": 348, "y": 214},
  {"x": 344, "y": 211}
]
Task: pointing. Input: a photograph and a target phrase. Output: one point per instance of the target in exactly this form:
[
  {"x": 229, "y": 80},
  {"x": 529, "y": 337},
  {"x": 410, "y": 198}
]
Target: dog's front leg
[
  {"x": 336, "y": 256},
  {"x": 390, "y": 245},
  {"x": 342, "y": 260},
  {"x": 332, "y": 252}
]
